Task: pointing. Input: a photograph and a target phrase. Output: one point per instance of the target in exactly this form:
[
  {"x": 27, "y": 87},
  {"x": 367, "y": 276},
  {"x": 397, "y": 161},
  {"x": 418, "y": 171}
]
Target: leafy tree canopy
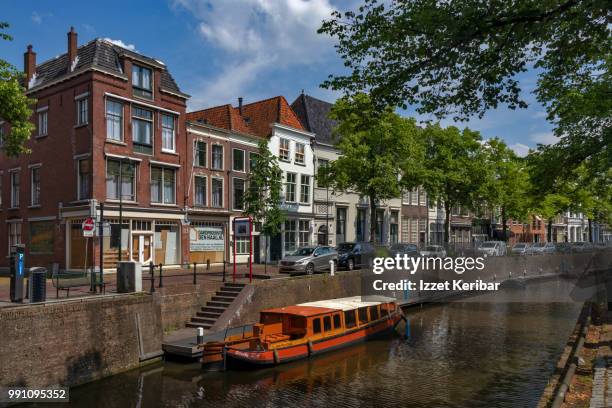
[
  {"x": 461, "y": 57},
  {"x": 14, "y": 105}
]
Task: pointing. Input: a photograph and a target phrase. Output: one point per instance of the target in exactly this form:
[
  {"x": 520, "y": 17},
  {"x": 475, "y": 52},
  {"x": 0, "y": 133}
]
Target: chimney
[
  {"x": 72, "y": 46},
  {"x": 29, "y": 63},
  {"x": 240, "y": 105}
]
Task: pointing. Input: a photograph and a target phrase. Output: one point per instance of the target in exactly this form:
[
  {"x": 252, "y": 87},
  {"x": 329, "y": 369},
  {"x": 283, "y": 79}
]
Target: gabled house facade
[
  {"x": 273, "y": 120},
  {"x": 109, "y": 129}
]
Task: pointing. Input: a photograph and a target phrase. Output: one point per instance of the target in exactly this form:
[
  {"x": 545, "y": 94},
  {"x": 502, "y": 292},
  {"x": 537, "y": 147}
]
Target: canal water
[{"x": 463, "y": 354}]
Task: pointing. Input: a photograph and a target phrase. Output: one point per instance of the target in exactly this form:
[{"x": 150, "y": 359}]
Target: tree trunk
[
  {"x": 447, "y": 216},
  {"x": 590, "y": 230},
  {"x": 373, "y": 220},
  {"x": 549, "y": 232},
  {"x": 504, "y": 226},
  {"x": 266, "y": 256}
]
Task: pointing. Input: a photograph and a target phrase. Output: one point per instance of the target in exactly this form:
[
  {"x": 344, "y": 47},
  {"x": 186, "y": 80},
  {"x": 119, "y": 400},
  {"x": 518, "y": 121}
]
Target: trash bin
[
  {"x": 37, "y": 285},
  {"x": 129, "y": 277}
]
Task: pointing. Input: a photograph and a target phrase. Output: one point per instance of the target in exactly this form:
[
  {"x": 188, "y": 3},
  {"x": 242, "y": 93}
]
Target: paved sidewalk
[
  {"x": 170, "y": 276},
  {"x": 601, "y": 394}
]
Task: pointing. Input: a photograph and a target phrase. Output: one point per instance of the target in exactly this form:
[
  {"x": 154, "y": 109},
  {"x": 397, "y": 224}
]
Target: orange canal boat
[{"x": 295, "y": 332}]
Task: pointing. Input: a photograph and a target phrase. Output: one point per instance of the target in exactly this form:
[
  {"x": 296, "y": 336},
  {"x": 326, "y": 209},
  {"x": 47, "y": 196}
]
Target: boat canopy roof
[{"x": 330, "y": 305}]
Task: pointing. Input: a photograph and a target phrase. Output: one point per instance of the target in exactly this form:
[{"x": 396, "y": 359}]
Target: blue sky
[{"x": 219, "y": 50}]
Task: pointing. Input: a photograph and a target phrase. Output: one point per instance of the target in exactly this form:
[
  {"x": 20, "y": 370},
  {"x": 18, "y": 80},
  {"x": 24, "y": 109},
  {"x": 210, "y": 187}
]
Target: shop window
[
  {"x": 167, "y": 244},
  {"x": 42, "y": 234},
  {"x": 290, "y": 232}
]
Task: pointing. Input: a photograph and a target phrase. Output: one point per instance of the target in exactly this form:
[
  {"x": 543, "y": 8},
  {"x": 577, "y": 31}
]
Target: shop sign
[{"x": 208, "y": 238}]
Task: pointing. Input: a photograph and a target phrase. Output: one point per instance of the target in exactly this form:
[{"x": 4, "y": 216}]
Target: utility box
[
  {"x": 17, "y": 262},
  {"x": 129, "y": 277},
  {"x": 37, "y": 285}
]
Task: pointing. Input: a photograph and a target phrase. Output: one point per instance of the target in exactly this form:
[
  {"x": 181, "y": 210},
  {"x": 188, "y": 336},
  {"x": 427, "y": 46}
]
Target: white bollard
[
  {"x": 331, "y": 268},
  {"x": 200, "y": 335}
]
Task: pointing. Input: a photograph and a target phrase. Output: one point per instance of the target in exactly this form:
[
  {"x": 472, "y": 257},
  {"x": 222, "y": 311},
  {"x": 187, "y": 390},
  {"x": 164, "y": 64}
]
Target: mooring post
[
  {"x": 224, "y": 270},
  {"x": 200, "y": 338},
  {"x": 161, "y": 283},
  {"x": 152, "y": 272},
  {"x": 194, "y": 272},
  {"x": 208, "y": 264}
]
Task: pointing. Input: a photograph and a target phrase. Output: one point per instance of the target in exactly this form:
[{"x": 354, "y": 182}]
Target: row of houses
[{"x": 113, "y": 135}]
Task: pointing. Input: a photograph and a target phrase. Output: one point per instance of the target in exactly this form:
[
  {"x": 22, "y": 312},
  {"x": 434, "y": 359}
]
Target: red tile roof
[{"x": 256, "y": 119}]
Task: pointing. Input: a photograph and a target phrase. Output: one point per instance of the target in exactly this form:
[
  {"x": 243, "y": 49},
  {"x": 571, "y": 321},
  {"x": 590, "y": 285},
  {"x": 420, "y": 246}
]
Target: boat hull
[{"x": 248, "y": 359}]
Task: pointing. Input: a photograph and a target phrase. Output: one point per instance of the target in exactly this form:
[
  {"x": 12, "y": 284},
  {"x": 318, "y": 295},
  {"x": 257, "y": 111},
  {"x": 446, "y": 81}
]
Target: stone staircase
[{"x": 214, "y": 308}]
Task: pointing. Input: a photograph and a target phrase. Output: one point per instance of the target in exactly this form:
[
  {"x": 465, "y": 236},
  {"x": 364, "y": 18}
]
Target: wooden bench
[{"x": 67, "y": 280}]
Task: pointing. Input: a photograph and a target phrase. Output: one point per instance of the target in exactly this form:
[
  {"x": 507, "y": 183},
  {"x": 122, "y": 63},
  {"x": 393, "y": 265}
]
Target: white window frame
[
  {"x": 121, "y": 119},
  {"x": 281, "y": 150},
  {"x": 234, "y": 192},
  {"x": 195, "y": 153},
  {"x": 301, "y": 154},
  {"x": 212, "y": 192},
  {"x": 302, "y": 189},
  {"x": 205, "y": 178},
  {"x": 34, "y": 168},
  {"x": 80, "y": 120},
  {"x": 163, "y": 184},
  {"x": 134, "y": 183},
  {"x": 15, "y": 193},
  {"x": 164, "y": 129},
  {"x": 243, "y": 160},
  {"x": 43, "y": 121},
  {"x": 294, "y": 184},
  {"x": 212, "y": 156},
  {"x": 13, "y": 227}
]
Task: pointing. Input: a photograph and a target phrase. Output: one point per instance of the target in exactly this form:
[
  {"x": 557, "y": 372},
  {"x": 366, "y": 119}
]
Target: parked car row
[{"x": 355, "y": 255}]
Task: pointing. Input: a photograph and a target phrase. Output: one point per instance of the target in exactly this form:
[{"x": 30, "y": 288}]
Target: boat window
[
  {"x": 297, "y": 322},
  {"x": 349, "y": 318},
  {"x": 327, "y": 323},
  {"x": 336, "y": 321},
  {"x": 363, "y": 314},
  {"x": 373, "y": 312},
  {"x": 271, "y": 318},
  {"x": 316, "y": 325}
]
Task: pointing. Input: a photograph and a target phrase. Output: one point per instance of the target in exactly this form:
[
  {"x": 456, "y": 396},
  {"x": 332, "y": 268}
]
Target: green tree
[
  {"x": 381, "y": 153},
  {"x": 262, "y": 197},
  {"x": 455, "y": 164},
  {"x": 460, "y": 58},
  {"x": 507, "y": 182},
  {"x": 14, "y": 105}
]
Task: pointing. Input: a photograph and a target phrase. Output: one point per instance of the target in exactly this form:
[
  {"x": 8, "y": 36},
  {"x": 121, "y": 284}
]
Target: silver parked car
[
  {"x": 434, "y": 251},
  {"x": 309, "y": 259},
  {"x": 520, "y": 248},
  {"x": 541, "y": 248},
  {"x": 492, "y": 248}
]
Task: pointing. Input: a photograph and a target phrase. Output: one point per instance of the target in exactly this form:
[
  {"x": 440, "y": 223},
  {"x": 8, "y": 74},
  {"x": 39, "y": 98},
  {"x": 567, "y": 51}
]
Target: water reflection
[{"x": 458, "y": 355}]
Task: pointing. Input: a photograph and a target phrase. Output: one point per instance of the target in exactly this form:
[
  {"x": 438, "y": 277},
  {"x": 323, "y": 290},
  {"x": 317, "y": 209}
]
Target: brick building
[{"x": 109, "y": 129}]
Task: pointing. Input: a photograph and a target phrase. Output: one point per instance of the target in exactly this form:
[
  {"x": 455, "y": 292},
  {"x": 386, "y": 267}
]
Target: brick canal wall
[
  {"x": 76, "y": 341},
  {"x": 283, "y": 292}
]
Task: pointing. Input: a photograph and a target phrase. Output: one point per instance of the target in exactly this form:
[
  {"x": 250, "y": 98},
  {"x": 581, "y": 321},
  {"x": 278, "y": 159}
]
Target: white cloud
[
  {"x": 544, "y": 138},
  {"x": 520, "y": 149},
  {"x": 120, "y": 43},
  {"x": 37, "y": 18},
  {"x": 256, "y": 37}
]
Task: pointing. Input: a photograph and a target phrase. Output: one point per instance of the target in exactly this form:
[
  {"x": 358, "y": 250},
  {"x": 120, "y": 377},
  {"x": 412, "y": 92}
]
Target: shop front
[{"x": 207, "y": 241}]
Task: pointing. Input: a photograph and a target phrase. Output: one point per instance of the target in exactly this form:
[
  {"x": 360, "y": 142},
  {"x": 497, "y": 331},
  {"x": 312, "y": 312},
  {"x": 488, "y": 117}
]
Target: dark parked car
[
  {"x": 353, "y": 255},
  {"x": 404, "y": 249}
]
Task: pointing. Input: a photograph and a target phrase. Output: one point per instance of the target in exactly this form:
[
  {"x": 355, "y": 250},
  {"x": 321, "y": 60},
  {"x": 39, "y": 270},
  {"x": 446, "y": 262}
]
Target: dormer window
[{"x": 142, "y": 81}]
